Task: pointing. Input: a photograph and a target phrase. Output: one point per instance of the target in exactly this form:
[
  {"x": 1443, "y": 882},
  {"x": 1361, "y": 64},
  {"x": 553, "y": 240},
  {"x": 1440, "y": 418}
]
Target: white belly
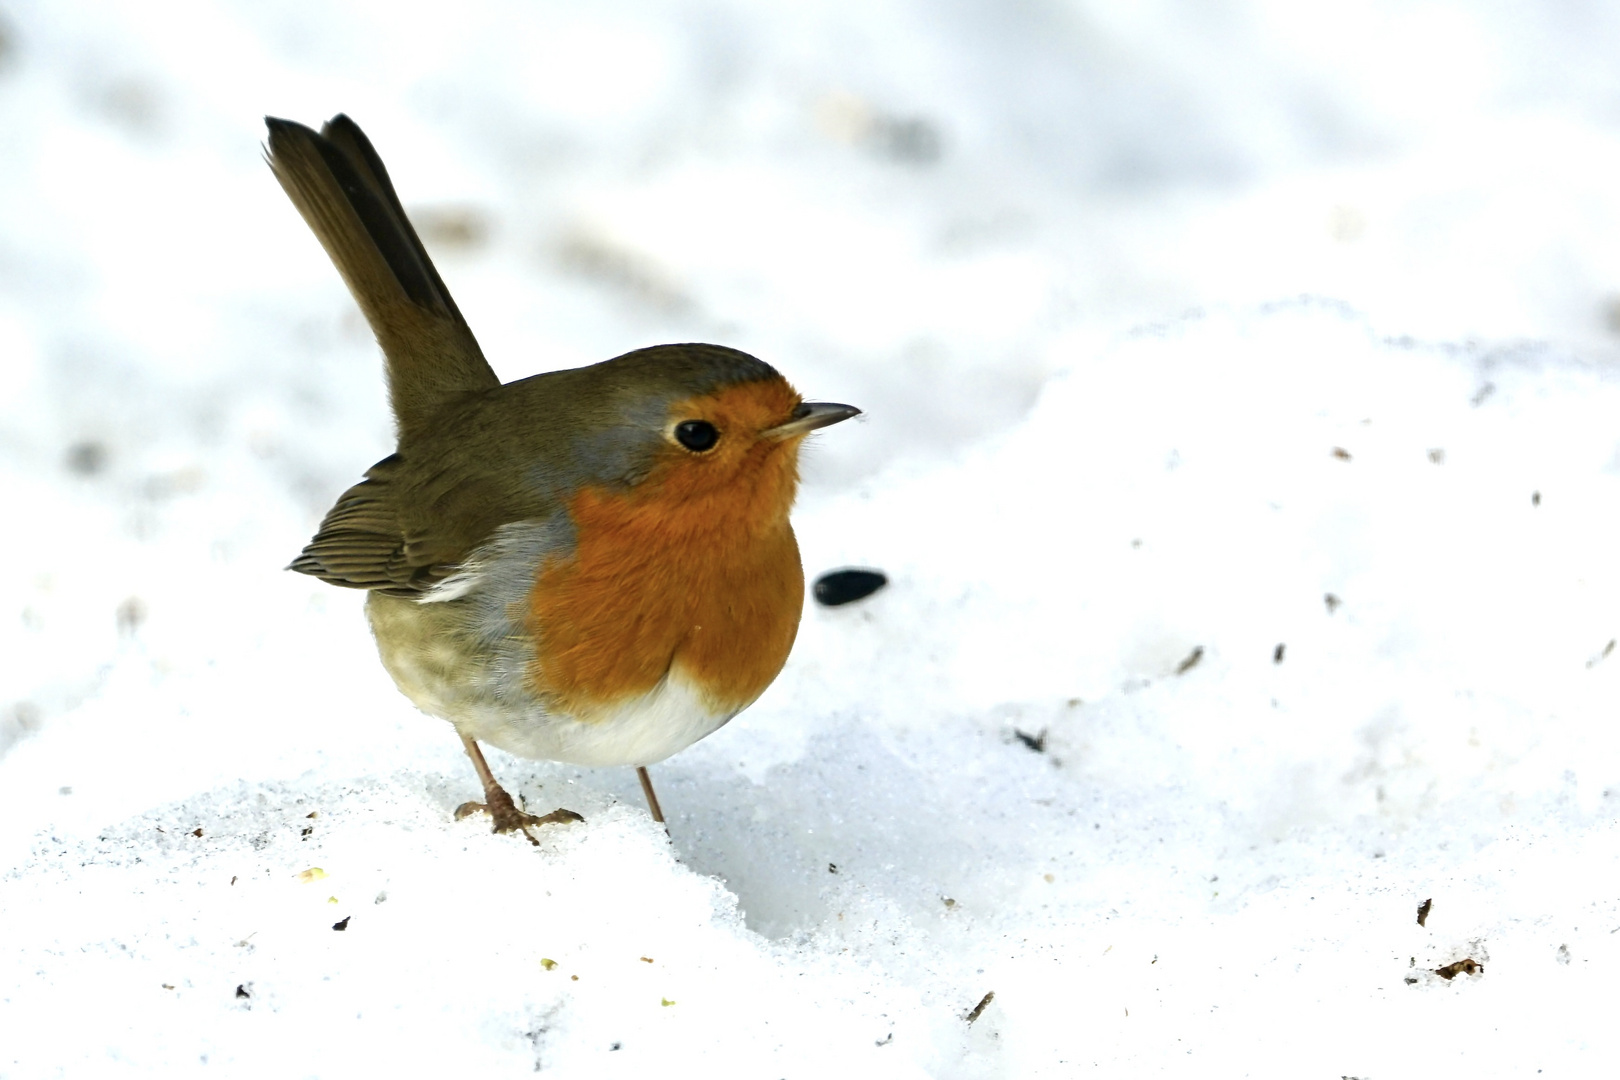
[
  {"x": 641, "y": 731},
  {"x": 462, "y": 663}
]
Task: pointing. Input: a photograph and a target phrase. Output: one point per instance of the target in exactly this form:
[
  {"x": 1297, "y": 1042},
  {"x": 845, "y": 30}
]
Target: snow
[{"x": 1240, "y": 385}]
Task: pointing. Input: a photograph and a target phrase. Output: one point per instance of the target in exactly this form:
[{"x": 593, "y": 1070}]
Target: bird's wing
[
  {"x": 417, "y": 519},
  {"x": 339, "y": 185},
  {"x": 361, "y": 543}
]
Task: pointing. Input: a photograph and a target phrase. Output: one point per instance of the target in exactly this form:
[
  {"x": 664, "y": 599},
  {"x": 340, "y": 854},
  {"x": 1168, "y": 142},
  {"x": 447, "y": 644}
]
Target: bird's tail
[{"x": 339, "y": 185}]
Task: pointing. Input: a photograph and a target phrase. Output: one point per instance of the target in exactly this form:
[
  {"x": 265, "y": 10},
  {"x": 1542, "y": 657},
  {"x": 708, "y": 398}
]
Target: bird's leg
[
  {"x": 652, "y": 796},
  {"x": 499, "y": 805}
]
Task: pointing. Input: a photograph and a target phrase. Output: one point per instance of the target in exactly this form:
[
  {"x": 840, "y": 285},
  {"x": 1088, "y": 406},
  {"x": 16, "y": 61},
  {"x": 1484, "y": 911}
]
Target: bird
[{"x": 593, "y": 565}]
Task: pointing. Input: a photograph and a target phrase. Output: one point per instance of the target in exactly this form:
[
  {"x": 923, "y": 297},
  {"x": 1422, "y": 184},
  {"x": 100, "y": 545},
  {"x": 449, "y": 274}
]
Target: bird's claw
[{"x": 508, "y": 818}]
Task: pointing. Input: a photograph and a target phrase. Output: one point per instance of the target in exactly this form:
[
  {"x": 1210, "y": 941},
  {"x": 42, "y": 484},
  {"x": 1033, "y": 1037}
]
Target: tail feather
[{"x": 340, "y": 187}]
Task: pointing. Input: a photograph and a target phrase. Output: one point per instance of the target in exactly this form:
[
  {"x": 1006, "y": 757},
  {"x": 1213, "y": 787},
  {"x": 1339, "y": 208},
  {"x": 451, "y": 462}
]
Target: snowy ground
[{"x": 1241, "y": 447}]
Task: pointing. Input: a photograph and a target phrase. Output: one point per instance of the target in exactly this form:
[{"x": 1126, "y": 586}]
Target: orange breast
[{"x": 672, "y": 574}]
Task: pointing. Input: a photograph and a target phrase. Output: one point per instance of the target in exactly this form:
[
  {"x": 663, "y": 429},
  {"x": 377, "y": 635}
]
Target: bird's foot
[{"x": 508, "y": 818}]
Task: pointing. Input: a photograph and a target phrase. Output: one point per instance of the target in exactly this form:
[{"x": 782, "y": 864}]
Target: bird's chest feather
[{"x": 664, "y": 591}]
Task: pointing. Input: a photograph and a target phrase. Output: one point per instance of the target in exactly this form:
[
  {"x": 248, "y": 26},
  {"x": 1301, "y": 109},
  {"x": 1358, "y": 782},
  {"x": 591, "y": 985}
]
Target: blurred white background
[{"x": 1112, "y": 281}]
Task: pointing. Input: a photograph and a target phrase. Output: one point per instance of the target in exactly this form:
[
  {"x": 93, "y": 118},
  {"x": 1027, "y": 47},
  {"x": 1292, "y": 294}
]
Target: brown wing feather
[
  {"x": 414, "y": 520},
  {"x": 361, "y": 543}
]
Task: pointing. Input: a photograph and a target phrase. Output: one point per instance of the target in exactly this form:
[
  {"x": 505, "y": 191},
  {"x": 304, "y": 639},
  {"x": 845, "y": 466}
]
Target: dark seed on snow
[
  {"x": 978, "y": 1009},
  {"x": 1035, "y": 742},
  {"x": 846, "y": 586}
]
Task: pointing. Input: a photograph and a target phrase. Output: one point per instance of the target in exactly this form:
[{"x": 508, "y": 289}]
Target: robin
[{"x": 592, "y": 566}]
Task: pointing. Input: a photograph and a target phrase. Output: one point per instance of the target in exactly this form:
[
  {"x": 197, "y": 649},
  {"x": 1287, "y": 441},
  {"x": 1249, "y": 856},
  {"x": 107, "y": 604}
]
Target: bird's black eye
[{"x": 696, "y": 435}]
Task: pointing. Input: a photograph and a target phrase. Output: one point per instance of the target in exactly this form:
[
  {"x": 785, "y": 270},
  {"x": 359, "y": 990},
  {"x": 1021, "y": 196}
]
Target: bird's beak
[{"x": 808, "y": 416}]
